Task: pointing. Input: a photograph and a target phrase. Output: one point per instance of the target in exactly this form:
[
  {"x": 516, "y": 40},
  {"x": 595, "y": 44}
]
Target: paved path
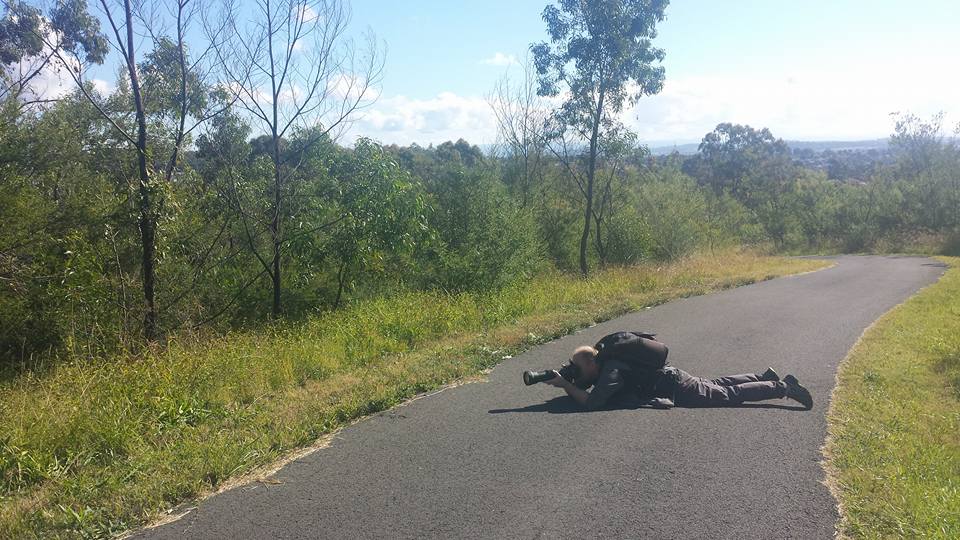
[{"x": 500, "y": 460}]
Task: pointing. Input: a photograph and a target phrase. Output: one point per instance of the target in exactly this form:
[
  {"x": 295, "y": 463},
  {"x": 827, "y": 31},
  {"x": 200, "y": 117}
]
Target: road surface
[{"x": 500, "y": 460}]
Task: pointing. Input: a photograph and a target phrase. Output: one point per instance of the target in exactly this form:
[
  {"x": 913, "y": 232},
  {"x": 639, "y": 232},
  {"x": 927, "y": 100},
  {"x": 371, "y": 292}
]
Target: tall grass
[
  {"x": 91, "y": 448},
  {"x": 894, "y": 424}
]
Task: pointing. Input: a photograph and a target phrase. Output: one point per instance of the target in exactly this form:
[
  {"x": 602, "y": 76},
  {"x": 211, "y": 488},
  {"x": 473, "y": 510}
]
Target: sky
[{"x": 810, "y": 70}]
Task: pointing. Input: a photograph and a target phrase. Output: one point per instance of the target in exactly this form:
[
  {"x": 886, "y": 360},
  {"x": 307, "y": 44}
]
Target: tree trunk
[
  {"x": 591, "y": 171},
  {"x": 340, "y": 281},
  {"x": 275, "y": 226},
  {"x": 277, "y": 180},
  {"x": 148, "y": 222},
  {"x": 598, "y": 238}
]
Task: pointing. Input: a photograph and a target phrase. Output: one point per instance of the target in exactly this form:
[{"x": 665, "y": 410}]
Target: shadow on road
[
  {"x": 557, "y": 405},
  {"x": 565, "y": 405}
]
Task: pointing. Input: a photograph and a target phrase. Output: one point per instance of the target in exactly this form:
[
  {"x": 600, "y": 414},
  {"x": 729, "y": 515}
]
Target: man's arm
[
  {"x": 609, "y": 383},
  {"x": 581, "y": 396}
]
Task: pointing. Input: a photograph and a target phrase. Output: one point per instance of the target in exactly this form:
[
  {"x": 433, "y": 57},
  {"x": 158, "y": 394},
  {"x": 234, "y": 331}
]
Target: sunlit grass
[
  {"x": 894, "y": 447},
  {"x": 94, "y": 448}
]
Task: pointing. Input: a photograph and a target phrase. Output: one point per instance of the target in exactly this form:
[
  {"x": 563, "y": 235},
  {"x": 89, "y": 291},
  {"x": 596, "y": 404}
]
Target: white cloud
[
  {"x": 52, "y": 82},
  {"x": 852, "y": 104},
  {"x": 103, "y": 86},
  {"x": 308, "y": 13},
  {"x": 799, "y": 105},
  {"x": 500, "y": 59},
  {"x": 447, "y": 116},
  {"x": 351, "y": 87},
  {"x": 290, "y": 94}
]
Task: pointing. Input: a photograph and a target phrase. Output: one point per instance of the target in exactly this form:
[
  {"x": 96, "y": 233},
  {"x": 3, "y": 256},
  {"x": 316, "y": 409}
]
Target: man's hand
[
  {"x": 578, "y": 394},
  {"x": 557, "y": 380}
]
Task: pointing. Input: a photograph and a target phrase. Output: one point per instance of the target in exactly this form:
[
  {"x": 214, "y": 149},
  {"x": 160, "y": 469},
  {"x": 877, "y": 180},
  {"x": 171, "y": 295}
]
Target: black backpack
[{"x": 639, "y": 350}]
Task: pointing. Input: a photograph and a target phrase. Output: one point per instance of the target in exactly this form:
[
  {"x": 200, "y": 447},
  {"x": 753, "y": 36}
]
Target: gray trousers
[{"x": 694, "y": 391}]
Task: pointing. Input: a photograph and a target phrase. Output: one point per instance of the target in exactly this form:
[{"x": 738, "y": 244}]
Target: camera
[{"x": 570, "y": 372}]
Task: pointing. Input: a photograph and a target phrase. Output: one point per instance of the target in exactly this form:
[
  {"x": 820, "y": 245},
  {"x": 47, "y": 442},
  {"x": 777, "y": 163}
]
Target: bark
[
  {"x": 277, "y": 179},
  {"x": 148, "y": 222},
  {"x": 591, "y": 172}
]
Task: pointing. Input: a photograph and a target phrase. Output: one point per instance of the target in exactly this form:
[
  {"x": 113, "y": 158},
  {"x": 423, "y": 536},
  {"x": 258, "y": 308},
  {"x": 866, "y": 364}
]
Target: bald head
[
  {"x": 585, "y": 357},
  {"x": 584, "y": 352}
]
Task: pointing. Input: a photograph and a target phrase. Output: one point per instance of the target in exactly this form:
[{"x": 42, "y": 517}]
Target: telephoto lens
[
  {"x": 533, "y": 377},
  {"x": 569, "y": 372}
]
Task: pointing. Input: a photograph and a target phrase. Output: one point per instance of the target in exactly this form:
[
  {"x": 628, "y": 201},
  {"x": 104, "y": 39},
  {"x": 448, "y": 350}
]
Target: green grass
[
  {"x": 893, "y": 453},
  {"x": 90, "y": 449}
]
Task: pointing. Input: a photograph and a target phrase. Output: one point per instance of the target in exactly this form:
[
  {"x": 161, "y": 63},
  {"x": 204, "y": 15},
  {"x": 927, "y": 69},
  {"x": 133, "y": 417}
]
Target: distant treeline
[{"x": 373, "y": 220}]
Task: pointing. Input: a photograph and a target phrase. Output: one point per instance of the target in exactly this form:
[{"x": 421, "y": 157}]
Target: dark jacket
[{"x": 622, "y": 385}]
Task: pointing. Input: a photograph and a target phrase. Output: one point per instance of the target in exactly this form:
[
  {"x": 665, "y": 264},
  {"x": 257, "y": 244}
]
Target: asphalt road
[{"x": 500, "y": 460}]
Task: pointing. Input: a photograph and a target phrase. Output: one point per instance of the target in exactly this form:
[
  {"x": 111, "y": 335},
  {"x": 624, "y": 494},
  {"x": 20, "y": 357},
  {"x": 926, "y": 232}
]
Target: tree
[
  {"x": 174, "y": 93},
  {"x": 732, "y": 153},
  {"x": 614, "y": 148},
  {"x": 601, "y": 52},
  {"x": 292, "y": 69},
  {"x": 31, "y": 43},
  {"x": 754, "y": 167},
  {"x": 925, "y": 170},
  {"x": 521, "y": 121},
  {"x": 380, "y": 210}
]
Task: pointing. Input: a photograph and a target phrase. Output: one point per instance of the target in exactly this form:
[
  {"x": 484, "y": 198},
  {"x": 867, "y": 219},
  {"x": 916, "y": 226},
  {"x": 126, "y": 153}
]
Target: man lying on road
[{"x": 629, "y": 369}]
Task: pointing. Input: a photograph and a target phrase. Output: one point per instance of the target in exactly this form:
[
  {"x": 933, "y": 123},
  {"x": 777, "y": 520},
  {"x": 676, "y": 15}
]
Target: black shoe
[
  {"x": 769, "y": 375},
  {"x": 798, "y": 392}
]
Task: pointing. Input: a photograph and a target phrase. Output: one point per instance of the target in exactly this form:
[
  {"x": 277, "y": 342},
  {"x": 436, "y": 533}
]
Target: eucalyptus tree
[
  {"x": 164, "y": 87},
  {"x": 730, "y": 155},
  {"x": 599, "y": 58},
  {"x": 32, "y": 42},
  {"x": 292, "y": 68}
]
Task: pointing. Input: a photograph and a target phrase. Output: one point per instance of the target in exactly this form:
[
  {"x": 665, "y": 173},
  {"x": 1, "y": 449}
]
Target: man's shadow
[
  {"x": 557, "y": 405},
  {"x": 566, "y": 405}
]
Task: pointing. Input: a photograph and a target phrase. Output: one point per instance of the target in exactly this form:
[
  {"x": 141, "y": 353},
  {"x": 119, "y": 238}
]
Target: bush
[
  {"x": 485, "y": 240},
  {"x": 628, "y": 239},
  {"x": 675, "y": 216}
]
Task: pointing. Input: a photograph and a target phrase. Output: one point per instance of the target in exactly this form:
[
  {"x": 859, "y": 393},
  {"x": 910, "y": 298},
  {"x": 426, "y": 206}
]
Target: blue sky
[
  {"x": 815, "y": 69},
  {"x": 809, "y": 70}
]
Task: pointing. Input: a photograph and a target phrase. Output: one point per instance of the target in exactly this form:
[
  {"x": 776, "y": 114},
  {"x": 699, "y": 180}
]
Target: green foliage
[
  {"x": 19, "y": 32},
  {"x": 602, "y": 54},
  {"x": 59, "y": 214},
  {"x": 558, "y": 220},
  {"x": 599, "y": 45},
  {"x": 382, "y": 215},
  {"x": 675, "y": 216},
  {"x": 161, "y": 78},
  {"x": 629, "y": 238},
  {"x": 79, "y": 31},
  {"x": 739, "y": 159},
  {"x": 486, "y": 240}
]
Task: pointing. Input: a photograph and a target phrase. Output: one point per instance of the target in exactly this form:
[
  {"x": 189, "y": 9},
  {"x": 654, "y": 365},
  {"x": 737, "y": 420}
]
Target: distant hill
[
  {"x": 817, "y": 146},
  {"x": 820, "y": 146}
]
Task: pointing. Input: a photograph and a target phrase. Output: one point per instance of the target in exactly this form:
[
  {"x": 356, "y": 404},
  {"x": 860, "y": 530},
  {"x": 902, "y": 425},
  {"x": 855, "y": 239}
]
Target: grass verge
[
  {"x": 893, "y": 451},
  {"x": 91, "y": 449}
]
